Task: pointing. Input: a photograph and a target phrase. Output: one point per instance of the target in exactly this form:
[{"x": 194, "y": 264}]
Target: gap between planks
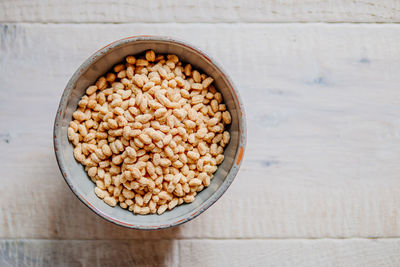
[
  {"x": 199, "y": 23},
  {"x": 222, "y": 23},
  {"x": 355, "y": 238}
]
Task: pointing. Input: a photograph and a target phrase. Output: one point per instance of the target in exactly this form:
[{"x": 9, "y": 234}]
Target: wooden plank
[
  {"x": 199, "y": 11},
  {"x": 350, "y": 252},
  {"x": 322, "y": 105},
  {"x": 353, "y": 252},
  {"x": 41, "y": 253}
]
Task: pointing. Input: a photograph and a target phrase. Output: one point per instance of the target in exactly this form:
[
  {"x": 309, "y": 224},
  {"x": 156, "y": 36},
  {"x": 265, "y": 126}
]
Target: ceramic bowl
[{"x": 98, "y": 64}]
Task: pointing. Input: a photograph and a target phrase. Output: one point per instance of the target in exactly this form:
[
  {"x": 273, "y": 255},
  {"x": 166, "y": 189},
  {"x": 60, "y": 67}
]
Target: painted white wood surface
[
  {"x": 104, "y": 11},
  {"x": 205, "y": 253},
  {"x": 322, "y": 161},
  {"x": 323, "y": 151},
  {"x": 353, "y": 252}
]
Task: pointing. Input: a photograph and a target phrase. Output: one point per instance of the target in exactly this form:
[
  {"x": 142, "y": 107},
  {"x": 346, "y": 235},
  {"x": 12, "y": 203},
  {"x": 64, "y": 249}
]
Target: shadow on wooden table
[
  {"x": 84, "y": 238},
  {"x": 53, "y": 228}
]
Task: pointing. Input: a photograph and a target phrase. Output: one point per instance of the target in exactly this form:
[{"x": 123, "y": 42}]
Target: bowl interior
[{"x": 97, "y": 65}]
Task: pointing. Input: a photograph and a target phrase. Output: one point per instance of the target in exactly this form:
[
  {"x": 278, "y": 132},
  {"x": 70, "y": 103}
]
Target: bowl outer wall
[{"x": 196, "y": 210}]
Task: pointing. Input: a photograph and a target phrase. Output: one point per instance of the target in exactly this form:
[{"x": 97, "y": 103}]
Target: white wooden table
[{"x": 320, "y": 183}]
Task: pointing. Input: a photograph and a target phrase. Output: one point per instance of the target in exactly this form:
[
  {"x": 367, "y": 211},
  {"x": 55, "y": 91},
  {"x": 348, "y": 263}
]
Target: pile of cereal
[{"x": 150, "y": 133}]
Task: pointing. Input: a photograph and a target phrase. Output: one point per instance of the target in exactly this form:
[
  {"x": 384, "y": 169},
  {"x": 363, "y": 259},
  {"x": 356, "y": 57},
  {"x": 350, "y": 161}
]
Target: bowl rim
[{"x": 63, "y": 103}]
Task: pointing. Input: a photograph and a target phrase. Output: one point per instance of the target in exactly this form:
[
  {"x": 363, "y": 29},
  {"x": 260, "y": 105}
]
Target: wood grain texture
[
  {"x": 43, "y": 253},
  {"x": 353, "y": 252},
  {"x": 205, "y": 253},
  {"x": 199, "y": 11},
  {"x": 322, "y": 104}
]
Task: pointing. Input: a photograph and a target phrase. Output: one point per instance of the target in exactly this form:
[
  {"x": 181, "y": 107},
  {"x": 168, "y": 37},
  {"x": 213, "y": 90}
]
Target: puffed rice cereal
[{"x": 150, "y": 133}]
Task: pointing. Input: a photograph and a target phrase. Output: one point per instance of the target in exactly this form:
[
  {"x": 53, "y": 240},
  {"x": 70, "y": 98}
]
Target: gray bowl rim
[{"x": 63, "y": 103}]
